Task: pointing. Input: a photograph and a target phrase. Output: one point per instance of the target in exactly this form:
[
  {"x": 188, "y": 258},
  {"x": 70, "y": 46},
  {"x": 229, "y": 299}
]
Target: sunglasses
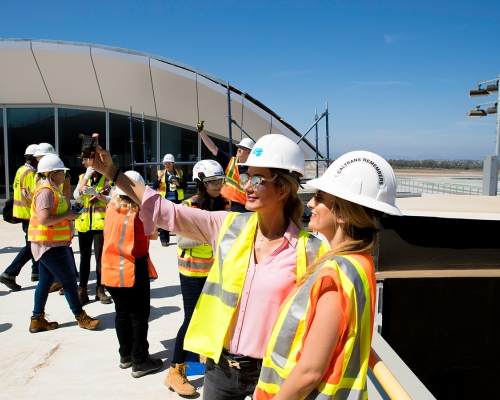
[
  {"x": 214, "y": 183},
  {"x": 320, "y": 198},
  {"x": 255, "y": 181}
]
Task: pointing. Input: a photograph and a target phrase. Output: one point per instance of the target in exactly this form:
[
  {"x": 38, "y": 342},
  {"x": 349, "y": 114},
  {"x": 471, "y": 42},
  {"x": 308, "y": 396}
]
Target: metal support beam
[{"x": 229, "y": 119}]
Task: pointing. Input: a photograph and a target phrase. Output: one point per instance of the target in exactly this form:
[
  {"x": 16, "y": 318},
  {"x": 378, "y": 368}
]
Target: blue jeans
[
  {"x": 223, "y": 382},
  {"x": 23, "y": 256},
  {"x": 191, "y": 290},
  {"x": 57, "y": 262}
]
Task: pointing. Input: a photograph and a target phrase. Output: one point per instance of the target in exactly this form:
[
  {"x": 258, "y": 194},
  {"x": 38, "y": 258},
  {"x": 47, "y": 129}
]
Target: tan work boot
[
  {"x": 40, "y": 324},
  {"x": 101, "y": 295},
  {"x": 83, "y": 296},
  {"x": 86, "y": 322},
  {"x": 177, "y": 381},
  {"x": 55, "y": 287}
]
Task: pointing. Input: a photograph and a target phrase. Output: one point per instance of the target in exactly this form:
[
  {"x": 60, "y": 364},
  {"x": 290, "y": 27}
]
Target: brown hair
[
  {"x": 292, "y": 205},
  {"x": 361, "y": 235}
]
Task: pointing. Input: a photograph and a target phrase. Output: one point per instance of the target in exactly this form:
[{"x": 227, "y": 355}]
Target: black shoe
[
  {"x": 150, "y": 365},
  {"x": 125, "y": 362},
  {"x": 10, "y": 283},
  {"x": 34, "y": 277}
]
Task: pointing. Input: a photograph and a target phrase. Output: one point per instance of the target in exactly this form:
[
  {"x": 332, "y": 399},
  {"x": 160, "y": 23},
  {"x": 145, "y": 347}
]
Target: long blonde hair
[
  {"x": 292, "y": 205},
  {"x": 358, "y": 228},
  {"x": 47, "y": 176}
]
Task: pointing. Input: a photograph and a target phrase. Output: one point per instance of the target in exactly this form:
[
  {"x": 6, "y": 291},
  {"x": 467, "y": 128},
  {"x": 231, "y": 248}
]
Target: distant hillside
[{"x": 437, "y": 164}]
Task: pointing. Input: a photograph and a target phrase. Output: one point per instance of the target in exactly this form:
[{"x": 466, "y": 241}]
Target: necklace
[{"x": 259, "y": 245}]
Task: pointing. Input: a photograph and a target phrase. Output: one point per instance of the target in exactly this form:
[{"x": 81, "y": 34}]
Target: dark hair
[{"x": 207, "y": 202}]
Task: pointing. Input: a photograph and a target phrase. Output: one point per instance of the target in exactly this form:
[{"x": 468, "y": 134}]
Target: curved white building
[{"x": 52, "y": 91}]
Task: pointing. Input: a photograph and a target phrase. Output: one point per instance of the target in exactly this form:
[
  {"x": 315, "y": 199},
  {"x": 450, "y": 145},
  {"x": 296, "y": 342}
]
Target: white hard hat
[
  {"x": 207, "y": 170},
  {"x": 51, "y": 162},
  {"x": 31, "y": 149},
  {"x": 43, "y": 149},
  {"x": 363, "y": 178},
  {"x": 246, "y": 143},
  {"x": 134, "y": 175},
  {"x": 168, "y": 158},
  {"x": 277, "y": 151}
]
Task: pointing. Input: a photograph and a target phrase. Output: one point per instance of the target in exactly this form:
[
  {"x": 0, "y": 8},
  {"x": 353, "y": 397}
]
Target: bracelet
[{"x": 116, "y": 175}]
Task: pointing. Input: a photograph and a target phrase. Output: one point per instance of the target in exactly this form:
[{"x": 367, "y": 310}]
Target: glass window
[
  {"x": 27, "y": 126},
  {"x": 72, "y": 123},
  {"x": 3, "y": 192},
  {"x": 119, "y": 143},
  {"x": 182, "y": 144}
]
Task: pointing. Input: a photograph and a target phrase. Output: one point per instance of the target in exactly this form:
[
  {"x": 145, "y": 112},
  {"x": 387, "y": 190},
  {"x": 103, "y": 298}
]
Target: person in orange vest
[
  {"x": 232, "y": 189},
  {"x": 171, "y": 185},
  {"x": 195, "y": 261},
  {"x": 50, "y": 232},
  {"x": 126, "y": 270},
  {"x": 320, "y": 343},
  {"x": 24, "y": 187}
]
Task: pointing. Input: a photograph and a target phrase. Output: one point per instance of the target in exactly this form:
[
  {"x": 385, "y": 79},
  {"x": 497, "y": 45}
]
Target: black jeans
[
  {"x": 223, "y": 382},
  {"x": 191, "y": 290},
  {"x": 23, "y": 256},
  {"x": 85, "y": 240},
  {"x": 132, "y": 315}
]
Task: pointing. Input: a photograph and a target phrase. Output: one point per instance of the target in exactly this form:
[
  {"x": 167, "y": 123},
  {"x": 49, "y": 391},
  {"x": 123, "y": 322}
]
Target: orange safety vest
[
  {"x": 345, "y": 377},
  {"x": 118, "y": 263},
  {"x": 60, "y": 232},
  {"x": 232, "y": 190}
]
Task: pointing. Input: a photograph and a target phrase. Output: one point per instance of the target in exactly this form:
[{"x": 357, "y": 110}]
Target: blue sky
[{"x": 396, "y": 74}]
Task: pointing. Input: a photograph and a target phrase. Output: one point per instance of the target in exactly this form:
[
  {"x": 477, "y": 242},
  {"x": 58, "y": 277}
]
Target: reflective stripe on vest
[
  {"x": 222, "y": 290},
  {"x": 162, "y": 189},
  {"x": 92, "y": 216},
  {"x": 118, "y": 264},
  {"x": 60, "y": 232},
  {"x": 195, "y": 262},
  {"x": 286, "y": 342},
  {"x": 24, "y": 179},
  {"x": 231, "y": 190}
]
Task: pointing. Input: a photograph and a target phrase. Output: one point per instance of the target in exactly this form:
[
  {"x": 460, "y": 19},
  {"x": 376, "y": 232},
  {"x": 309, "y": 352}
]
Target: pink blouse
[{"x": 266, "y": 284}]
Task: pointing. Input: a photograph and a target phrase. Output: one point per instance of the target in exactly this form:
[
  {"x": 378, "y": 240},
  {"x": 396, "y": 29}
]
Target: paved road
[{"x": 70, "y": 362}]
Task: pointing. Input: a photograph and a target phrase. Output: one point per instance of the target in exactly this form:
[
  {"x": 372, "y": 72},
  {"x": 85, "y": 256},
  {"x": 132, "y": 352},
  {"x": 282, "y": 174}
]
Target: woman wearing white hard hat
[
  {"x": 126, "y": 270},
  {"x": 50, "y": 232},
  {"x": 259, "y": 256},
  {"x": 320, "y": 343},
  {"x": 170, "y": 184},
  {"x": 195, "y": 259}
]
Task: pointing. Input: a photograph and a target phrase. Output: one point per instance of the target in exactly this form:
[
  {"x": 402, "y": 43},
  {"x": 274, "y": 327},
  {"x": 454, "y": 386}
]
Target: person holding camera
[
  {"x": 92, "y": 193},
  {"x": 50, "y": 232},
  {"x": 170, "y": 184}
]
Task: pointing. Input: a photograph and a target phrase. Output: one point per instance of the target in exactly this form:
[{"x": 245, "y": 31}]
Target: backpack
[{"x": 7, "y": 212}]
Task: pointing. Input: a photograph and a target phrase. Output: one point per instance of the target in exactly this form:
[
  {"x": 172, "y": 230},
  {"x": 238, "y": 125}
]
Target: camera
[
  {"x": 94, "y": 199},
  {"x": 173, "y": 187},
  {"x": 77, "y": 208}
]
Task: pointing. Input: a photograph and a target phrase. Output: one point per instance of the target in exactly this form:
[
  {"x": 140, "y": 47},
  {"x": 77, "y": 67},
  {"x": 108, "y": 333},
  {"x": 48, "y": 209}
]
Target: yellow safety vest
[
  {"x": 231, "y": 189},
  {"x": 222, "y": 291},
  {"x": 346, "y": 376},
  {"x": 195, "y": 262},
  {"x": 162, "y": 189},
  {"x": 97, "y": 211},
  {"x": 60, "y": 232},
  {"x": 24, "y": 179}
]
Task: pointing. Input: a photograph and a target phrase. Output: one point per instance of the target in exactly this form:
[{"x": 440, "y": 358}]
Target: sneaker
[
  {"x": 40, "y": 324},
  {"x": 165, "y": 244},
  {"x": 151, "y": 365},
  {"x": 35, "y": 277},
  {"x": 83, "y": 295},
  {"x": 86, "y": 322},
  {"x": 55, "y": 287},
  {"x": 100, "y": 295},
  {"x": 125, "y": 362},
  {"x": 177, "y": 381},
  {"x": 10, "y": 283},
  {"x": 61, "y": 292}
]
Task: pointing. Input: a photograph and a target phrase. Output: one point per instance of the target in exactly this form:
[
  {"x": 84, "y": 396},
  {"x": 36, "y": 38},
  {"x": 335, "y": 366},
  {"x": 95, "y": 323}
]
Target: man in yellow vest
[
  {"x": 24, "y": 187},
  {"x": 171, "y": 185},
  {"x": 231, "y": 165}
]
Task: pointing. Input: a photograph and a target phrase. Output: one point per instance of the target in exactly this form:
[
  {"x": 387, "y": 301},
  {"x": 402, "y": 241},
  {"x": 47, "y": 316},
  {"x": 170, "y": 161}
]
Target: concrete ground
[{"x": 71, "y": 362}]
